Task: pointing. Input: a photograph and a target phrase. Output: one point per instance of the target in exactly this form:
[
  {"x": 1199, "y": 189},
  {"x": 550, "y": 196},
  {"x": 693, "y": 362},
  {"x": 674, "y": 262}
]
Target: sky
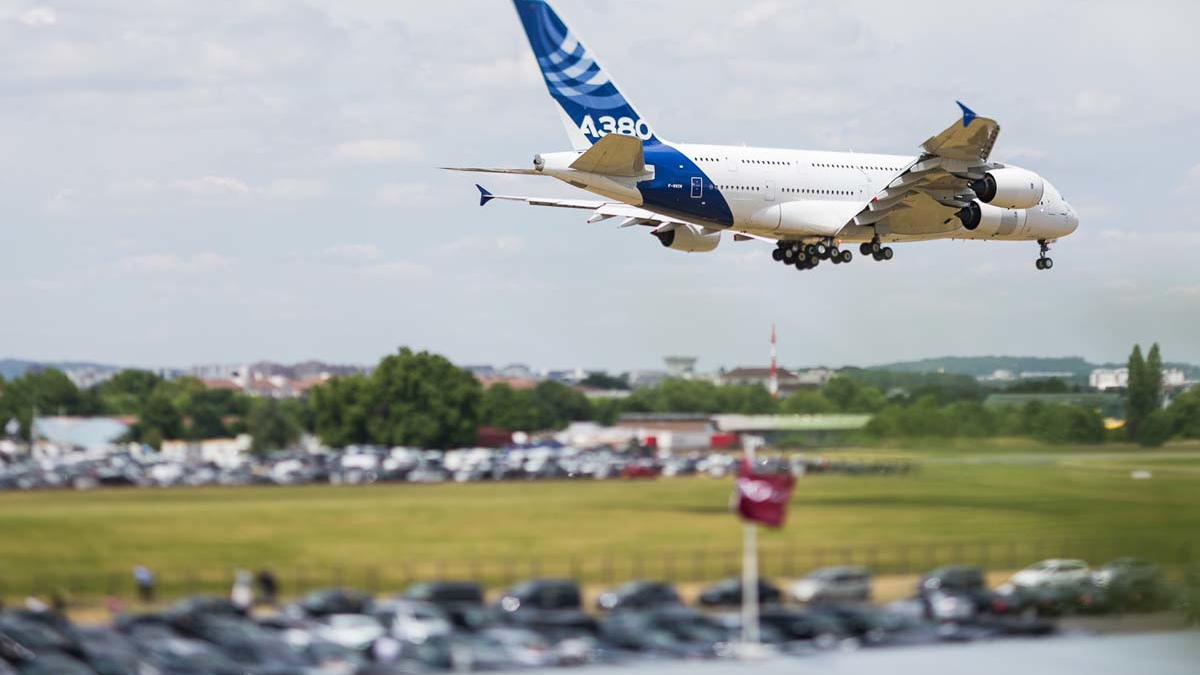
[{"x": 191, "y": 182}]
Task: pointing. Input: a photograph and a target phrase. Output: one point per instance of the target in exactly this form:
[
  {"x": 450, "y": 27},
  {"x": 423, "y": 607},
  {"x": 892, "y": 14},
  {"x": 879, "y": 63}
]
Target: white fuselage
[{"x": 824, "y": 188}]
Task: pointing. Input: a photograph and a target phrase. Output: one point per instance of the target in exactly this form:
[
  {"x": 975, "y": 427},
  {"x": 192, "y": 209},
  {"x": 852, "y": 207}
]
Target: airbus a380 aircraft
[{"x": 807, "y": 202}]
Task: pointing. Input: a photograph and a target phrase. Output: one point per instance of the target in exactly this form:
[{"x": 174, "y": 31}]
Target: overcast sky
[{"x": 197, "y": 182}]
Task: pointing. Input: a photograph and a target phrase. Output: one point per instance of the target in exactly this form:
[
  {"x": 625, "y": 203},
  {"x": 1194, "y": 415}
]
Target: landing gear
[
  {"x": 1044, "y": 262},
  {"x": 807, "y": 256}
]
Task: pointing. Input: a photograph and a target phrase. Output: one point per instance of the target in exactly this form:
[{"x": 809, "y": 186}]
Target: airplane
[{"x": 807, "y": 203}]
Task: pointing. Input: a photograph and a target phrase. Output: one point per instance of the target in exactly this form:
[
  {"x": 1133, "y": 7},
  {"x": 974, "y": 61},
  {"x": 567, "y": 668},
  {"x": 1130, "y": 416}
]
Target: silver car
[{"x": 832, "y": 584}]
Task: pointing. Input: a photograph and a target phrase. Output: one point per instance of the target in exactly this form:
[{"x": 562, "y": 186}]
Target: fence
[{"x": 694, "y": 565}]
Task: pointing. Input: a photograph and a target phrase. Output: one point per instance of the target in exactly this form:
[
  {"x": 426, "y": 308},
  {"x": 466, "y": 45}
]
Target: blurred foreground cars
[
  {"x": 833, "y": 584},
  {"x": 728, "y": 592},
  {"x": 638, "y": 595}
]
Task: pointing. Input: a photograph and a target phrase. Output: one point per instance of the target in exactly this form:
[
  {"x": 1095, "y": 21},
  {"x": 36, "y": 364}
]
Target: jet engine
[
  {"x": 1010, "y": 188},
  {"x": 690, "y": 239},
  {"x": 991, "y": 221}
]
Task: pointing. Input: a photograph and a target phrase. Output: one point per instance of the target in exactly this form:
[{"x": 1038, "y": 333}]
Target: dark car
[
  {"x": 262, "y": 650},
  {"x": 728, "y": 592},
  {"x": 954, "y": 593},
  {"x": 798, "y": 625},
  {"x": 40, "y": 634},
  {"x": 1129, "y": 583},
  {"x": 638, "y": 595},
  {"x": 108, "y": 652},
  {"x": 462, "y": 601},
  {"x": 182, "y": 656},
  {"x": 676, "y": 631},
  {"x": 333, "y": 601},
  {"x": 541, "y": 594},
  {"x": 871, "y": 625},
  {"x": 54, "y": 663}
]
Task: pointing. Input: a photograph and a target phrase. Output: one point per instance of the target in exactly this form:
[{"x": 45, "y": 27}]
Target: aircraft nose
[{"x": 1072, "y": 219}]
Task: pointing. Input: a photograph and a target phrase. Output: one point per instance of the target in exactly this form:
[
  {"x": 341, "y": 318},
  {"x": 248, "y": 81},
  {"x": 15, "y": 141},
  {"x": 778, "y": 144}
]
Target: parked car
[
  {"x": 541, "y": 594},
  {"x": 1071, "y": 573},
  {"x": 352, "y": 631},
  {"x": 462, "y": 601},
  {"x": 332, "y": 601},
  {"x": 638, "y": 595},
  {"x": 834, "y": 584},
  {"x": 799, "y": 625},
  {"x": 676, "y": 631},
  {"x": 728, "y": 592},
  {"x": 954, "y": 593},
  {"x": 1131, "y": 583},
  {"x": 411, "y": 620}
]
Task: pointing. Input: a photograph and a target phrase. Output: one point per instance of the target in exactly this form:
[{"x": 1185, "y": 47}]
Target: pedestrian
[
  {"x": 144, "y": 578},
  {"x": 242, "y": 595},
  {"x": 268, "y": 587}
]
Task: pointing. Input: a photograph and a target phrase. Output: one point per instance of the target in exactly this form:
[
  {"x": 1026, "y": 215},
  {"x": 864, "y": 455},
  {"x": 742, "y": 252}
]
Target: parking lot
[{"x": 824, "y": 620}]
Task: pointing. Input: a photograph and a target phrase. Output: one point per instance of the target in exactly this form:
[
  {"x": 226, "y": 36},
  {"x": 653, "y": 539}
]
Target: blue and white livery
[{"x": 807, "y": 202}]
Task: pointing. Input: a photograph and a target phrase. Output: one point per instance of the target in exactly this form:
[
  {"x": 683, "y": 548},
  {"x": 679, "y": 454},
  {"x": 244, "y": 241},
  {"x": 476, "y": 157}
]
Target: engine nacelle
[
  {"x": 985, "y": 220},
  {"x": 690, "y": 239},
  {"x": 1010, "y": 188}
]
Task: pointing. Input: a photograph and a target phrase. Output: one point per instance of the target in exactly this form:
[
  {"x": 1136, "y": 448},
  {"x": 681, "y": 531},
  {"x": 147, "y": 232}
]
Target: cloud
[
  {"x": 293, "y": 190},
  {"x": 62, "y": 203},
  {"x": 757, "y": 14},
  {"x": 379, "y": 151},
  {"x": 213, "y": 186},
  {"x": 354, "y": 252},
  {"x": 500, "y": 244},
  {"x": 39, "y": 17},
  {"x": 1191, "y": 181},
  {"x": 398, "y": 269},
  {"x": 404, "y": 194},
  {"x": 169, "y": 263},
  {"x": 1192, "y": 291},
  {"x": 1094, "y": 103}
]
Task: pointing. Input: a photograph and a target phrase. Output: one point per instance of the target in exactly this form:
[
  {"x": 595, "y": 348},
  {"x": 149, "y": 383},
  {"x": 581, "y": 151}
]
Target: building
[
  {"x": 1104, "y": 379},
  {"x": 681, "y": 367},
  {"x": 760, "y": 376},
  {"x": 794, "y": 430}
]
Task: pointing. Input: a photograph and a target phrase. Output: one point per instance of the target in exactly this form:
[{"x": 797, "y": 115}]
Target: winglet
[
  {"x": 484, "y": 196},
  {"x": 968, "y": 114}
]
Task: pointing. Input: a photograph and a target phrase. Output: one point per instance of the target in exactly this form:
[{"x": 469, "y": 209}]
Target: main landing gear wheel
[
  {"x": 847, "y": 256},
  {"x": 885, "y": 253},
  {"x": 1045, "y": 263},
  {"x": 865, "y": 248},
  {"x": 777, "y": 255}
]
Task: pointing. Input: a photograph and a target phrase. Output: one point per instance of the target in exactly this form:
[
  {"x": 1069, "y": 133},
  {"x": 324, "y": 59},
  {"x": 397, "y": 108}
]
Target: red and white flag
[{"x": 763, "y": 498}]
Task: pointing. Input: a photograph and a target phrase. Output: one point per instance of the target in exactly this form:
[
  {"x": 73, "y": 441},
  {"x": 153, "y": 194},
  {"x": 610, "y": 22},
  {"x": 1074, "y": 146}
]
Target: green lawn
[{"x": 999, "y": 514}]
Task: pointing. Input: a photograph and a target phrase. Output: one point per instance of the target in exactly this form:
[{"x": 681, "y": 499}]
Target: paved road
[{"x": 1145, "y": 654}]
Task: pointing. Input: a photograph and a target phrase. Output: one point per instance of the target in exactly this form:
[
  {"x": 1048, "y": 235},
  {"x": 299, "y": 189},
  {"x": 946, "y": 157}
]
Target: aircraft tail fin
[{"x": 591, "y": 105}]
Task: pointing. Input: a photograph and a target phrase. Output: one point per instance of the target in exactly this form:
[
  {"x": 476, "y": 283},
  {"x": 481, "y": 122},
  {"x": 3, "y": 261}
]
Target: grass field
[{"x": 1000, "y": 513}]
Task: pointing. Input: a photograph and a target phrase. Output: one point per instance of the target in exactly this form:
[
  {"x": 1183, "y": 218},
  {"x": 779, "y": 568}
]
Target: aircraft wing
[
  {"x": 630, "y": 215},
  {"x": 925, "y": 196}
]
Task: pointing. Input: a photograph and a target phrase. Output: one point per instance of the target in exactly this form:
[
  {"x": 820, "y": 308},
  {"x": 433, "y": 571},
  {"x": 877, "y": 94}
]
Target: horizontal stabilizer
[
  {"x": 484, "y": 195},
  {"x": 614, "y": 155}
]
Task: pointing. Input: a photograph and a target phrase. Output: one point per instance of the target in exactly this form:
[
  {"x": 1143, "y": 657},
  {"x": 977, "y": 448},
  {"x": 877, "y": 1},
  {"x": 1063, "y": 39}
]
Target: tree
[
  {"x": 126, "y": 392},
  {"x": 805, "y": 402},
  {"x": 1138, "y": 404},
  {"x": 1184, "y": 414},
  {"x": 851, "y": 396},
  {"x": 271, "y": 426},
  {"x": 506, "y": 408},
  {"x": 159, "y": 419},
  {"x": 1154, "y": 380},
  {"x": 557, "y": 405},
  {"x": 422, "y": 400},
  {"x": 605, "y": 381}
]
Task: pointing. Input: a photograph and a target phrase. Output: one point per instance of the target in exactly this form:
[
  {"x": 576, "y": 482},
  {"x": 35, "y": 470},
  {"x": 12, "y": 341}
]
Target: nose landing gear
[{"x": 1044, "y": 262}]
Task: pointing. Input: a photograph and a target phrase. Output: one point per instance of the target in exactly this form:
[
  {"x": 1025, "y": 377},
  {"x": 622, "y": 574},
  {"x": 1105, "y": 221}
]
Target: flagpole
[{"x": 750, "y": 629}]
